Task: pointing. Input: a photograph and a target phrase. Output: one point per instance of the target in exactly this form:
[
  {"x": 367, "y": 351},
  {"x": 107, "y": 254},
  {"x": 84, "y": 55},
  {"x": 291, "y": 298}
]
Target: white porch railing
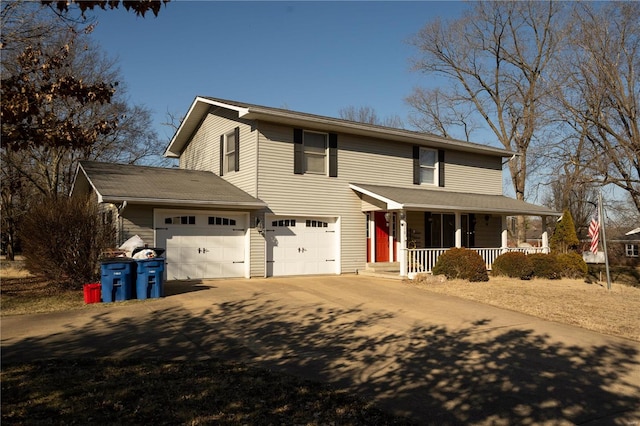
[{"x": 423, "y": 260}]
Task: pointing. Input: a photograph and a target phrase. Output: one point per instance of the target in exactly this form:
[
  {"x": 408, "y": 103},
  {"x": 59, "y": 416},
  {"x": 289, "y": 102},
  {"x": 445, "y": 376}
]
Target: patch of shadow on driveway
[{"x": 430, "y": 373}]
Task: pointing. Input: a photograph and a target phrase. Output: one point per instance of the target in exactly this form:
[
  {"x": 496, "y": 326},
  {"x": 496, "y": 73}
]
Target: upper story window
[
  {"x": 428, "y": 166},
  {"x": 315, "y": 153},
  {"x": 230, "y": 152}
]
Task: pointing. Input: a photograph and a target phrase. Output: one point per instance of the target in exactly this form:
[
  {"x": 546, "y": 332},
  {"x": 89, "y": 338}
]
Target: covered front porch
[{"x": 408, "y": 229}]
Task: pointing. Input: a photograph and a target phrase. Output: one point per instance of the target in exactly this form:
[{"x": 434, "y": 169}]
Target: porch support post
[
  {"x": 545, "y": 234},
  {"x": 402, "y": 253},
  {"x": 458, "y": 230},
  {"x": 505, "y": 233}
]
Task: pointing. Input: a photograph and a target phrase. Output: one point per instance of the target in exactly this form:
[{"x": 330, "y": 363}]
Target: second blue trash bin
[
  {"x": 117, "y": 279},
  {"x": 149, "y": 281}
]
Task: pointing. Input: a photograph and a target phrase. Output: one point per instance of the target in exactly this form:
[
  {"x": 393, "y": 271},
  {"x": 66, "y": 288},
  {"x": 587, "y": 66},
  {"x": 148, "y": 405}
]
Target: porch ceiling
[{"x": 397, "y": 198}]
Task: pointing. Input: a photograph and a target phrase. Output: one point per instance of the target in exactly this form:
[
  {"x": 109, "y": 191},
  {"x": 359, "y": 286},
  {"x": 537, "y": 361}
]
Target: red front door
[{"x": 382, "y": 238}]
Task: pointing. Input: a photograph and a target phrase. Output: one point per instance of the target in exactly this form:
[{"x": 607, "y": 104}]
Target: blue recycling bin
[
  {"x": 149, "y": 278},
  {"x": 117, "y": 279}
]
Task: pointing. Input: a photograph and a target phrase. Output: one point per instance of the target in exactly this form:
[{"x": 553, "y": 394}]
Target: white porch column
[
  {"x": 545, "y": 234},
  {"x": 402, "y": 253},
  {"x": 458, "y": 230},
  {"x": 505, "y": 233}
]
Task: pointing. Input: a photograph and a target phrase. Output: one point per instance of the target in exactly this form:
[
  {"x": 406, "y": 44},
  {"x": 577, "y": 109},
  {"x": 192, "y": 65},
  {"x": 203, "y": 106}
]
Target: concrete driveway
[{"x": 437, "y": 359}]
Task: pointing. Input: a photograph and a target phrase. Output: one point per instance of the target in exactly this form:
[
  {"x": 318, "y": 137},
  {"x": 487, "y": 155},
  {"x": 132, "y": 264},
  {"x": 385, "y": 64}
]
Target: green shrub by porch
[
  {"x": 513, "y": 264},
  {"x": 461, "y": 263},
  {"x": 545, "y": 266},
  {"x": 572, "y": 265}
]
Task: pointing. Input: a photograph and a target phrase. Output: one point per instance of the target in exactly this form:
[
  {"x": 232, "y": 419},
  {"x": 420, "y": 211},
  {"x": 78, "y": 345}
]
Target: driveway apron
[{"x": 434, "y": 358}]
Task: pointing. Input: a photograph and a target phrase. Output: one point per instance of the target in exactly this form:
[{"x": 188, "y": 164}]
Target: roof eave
[
  {"x": 201, "y": 106},
  {"x": 251, "y": 205}
]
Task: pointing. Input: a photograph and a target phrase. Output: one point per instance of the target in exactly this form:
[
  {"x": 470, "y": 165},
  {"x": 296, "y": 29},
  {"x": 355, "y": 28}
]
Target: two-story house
[{"x": 264, "y": 191}]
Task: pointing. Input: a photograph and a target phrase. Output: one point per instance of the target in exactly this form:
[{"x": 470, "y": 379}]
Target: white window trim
[
  {"x": 227, "y": 167},
  {"x": 631, "y": 249},
  {"x": 326, "y": 153},
  {"x": 435, "y": 167}
]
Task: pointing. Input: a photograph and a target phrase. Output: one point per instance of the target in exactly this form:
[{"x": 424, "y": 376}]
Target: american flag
[{"x": 594, "y": 232}]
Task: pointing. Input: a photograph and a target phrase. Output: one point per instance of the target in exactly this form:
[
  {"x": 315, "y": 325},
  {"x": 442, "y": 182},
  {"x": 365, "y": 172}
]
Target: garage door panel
[
  {"x": 305, "y": 246},
  {"x": 210, "y": 248}
]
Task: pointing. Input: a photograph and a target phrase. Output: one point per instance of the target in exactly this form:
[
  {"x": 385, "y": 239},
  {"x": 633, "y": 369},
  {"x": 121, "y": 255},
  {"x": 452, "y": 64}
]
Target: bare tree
[
  {"x": 495, "y": 58},
  {"x": 367, "y": 114},
  {"x": 61, "y": 103},
  {"x": 600, "y": 76}
]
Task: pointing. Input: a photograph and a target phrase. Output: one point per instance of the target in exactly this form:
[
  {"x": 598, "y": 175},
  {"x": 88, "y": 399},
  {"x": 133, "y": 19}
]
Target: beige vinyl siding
[
  {"x": 203, "y": 151},
  {"x": 257, "y": 248},
  {"x": 474, "y": 173},
  {"x": 137, "y": 220},
  {"x": 311, "y": 195},
  {"x": 360, "y": 160}
]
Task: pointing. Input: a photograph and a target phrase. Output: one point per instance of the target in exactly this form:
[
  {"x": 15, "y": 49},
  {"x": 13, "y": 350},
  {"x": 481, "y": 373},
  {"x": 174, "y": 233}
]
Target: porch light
[
  {"x": 387, "y": 216},
  {"x": 259, "y": 226}
]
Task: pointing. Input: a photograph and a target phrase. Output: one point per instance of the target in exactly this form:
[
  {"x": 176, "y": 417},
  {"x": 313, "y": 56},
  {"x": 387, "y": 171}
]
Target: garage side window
[
  {"x": 180, "y": 220},
  {"x": 224, "y": 221}
]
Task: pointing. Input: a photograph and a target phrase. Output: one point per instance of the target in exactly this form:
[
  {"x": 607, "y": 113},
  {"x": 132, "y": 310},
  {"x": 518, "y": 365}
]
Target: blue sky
[{"x": 314, "y": 57}]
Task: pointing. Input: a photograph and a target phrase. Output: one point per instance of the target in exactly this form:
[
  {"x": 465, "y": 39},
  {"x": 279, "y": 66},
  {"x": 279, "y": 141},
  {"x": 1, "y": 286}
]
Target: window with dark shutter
[
  {"x": 333, "y": 155},
  {"x": 298, "y": 152},
  {"x": 441, "y": 167}
]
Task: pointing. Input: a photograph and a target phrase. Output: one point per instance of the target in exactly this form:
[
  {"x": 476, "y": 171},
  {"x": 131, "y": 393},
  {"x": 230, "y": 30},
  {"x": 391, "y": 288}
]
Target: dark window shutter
[
  {"x": 441, "y": 167},
  {"x": 333, "y": 155},
  {"x": 298, "y": 152},
  {"x": 236, "y": 132},
  {"x": 416, "y": 165},
  {"x": 221, "y": 155}
]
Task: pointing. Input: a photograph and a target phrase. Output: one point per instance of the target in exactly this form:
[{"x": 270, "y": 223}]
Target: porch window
[{"x": 631, "y": 250}]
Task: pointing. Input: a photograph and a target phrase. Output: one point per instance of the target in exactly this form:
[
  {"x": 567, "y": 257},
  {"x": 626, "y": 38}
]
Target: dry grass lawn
[{"x": 591, "y": 306}]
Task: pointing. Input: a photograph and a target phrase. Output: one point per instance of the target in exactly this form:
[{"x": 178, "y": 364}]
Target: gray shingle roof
[
  {"x": 142, "y": 184},
  {"x": 429, "y": 200}
]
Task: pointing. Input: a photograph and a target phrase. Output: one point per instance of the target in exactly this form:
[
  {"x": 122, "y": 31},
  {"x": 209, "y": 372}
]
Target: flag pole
[{"x": 604, "y": 238}]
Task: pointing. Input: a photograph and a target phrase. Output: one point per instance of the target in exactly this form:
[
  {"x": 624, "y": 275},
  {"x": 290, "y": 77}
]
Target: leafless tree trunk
[{"x": 496, "y": 57}]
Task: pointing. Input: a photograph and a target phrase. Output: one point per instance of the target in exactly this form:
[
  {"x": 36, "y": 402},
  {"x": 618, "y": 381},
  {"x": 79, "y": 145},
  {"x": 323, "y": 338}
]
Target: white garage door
[
  {"x": 202, "y": 245},
  {"x": 301, "y": 246}
]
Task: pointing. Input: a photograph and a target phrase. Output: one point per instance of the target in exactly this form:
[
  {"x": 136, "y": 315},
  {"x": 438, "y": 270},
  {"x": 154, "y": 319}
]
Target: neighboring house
[
  {"x": 629, "y": 244},
  {"x": 268, "y": 192}
]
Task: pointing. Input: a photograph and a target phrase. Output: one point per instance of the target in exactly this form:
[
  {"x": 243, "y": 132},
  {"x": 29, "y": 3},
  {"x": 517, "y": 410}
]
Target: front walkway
[{"x": 438, "y": 359}]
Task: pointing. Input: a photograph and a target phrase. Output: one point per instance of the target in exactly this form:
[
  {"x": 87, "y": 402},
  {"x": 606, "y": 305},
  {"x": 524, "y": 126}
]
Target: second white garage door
[
  {"x": 301, "y": 246},
  {"x": 203, "y": 244}
]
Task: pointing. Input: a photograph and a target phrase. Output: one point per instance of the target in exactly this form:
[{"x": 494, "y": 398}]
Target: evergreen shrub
[
  {"x": 512, "y": 264},
  {"x": 461, "y": 263},
  {"x": 545, "y": 266},
  {"x": 572, "y": 265}
]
